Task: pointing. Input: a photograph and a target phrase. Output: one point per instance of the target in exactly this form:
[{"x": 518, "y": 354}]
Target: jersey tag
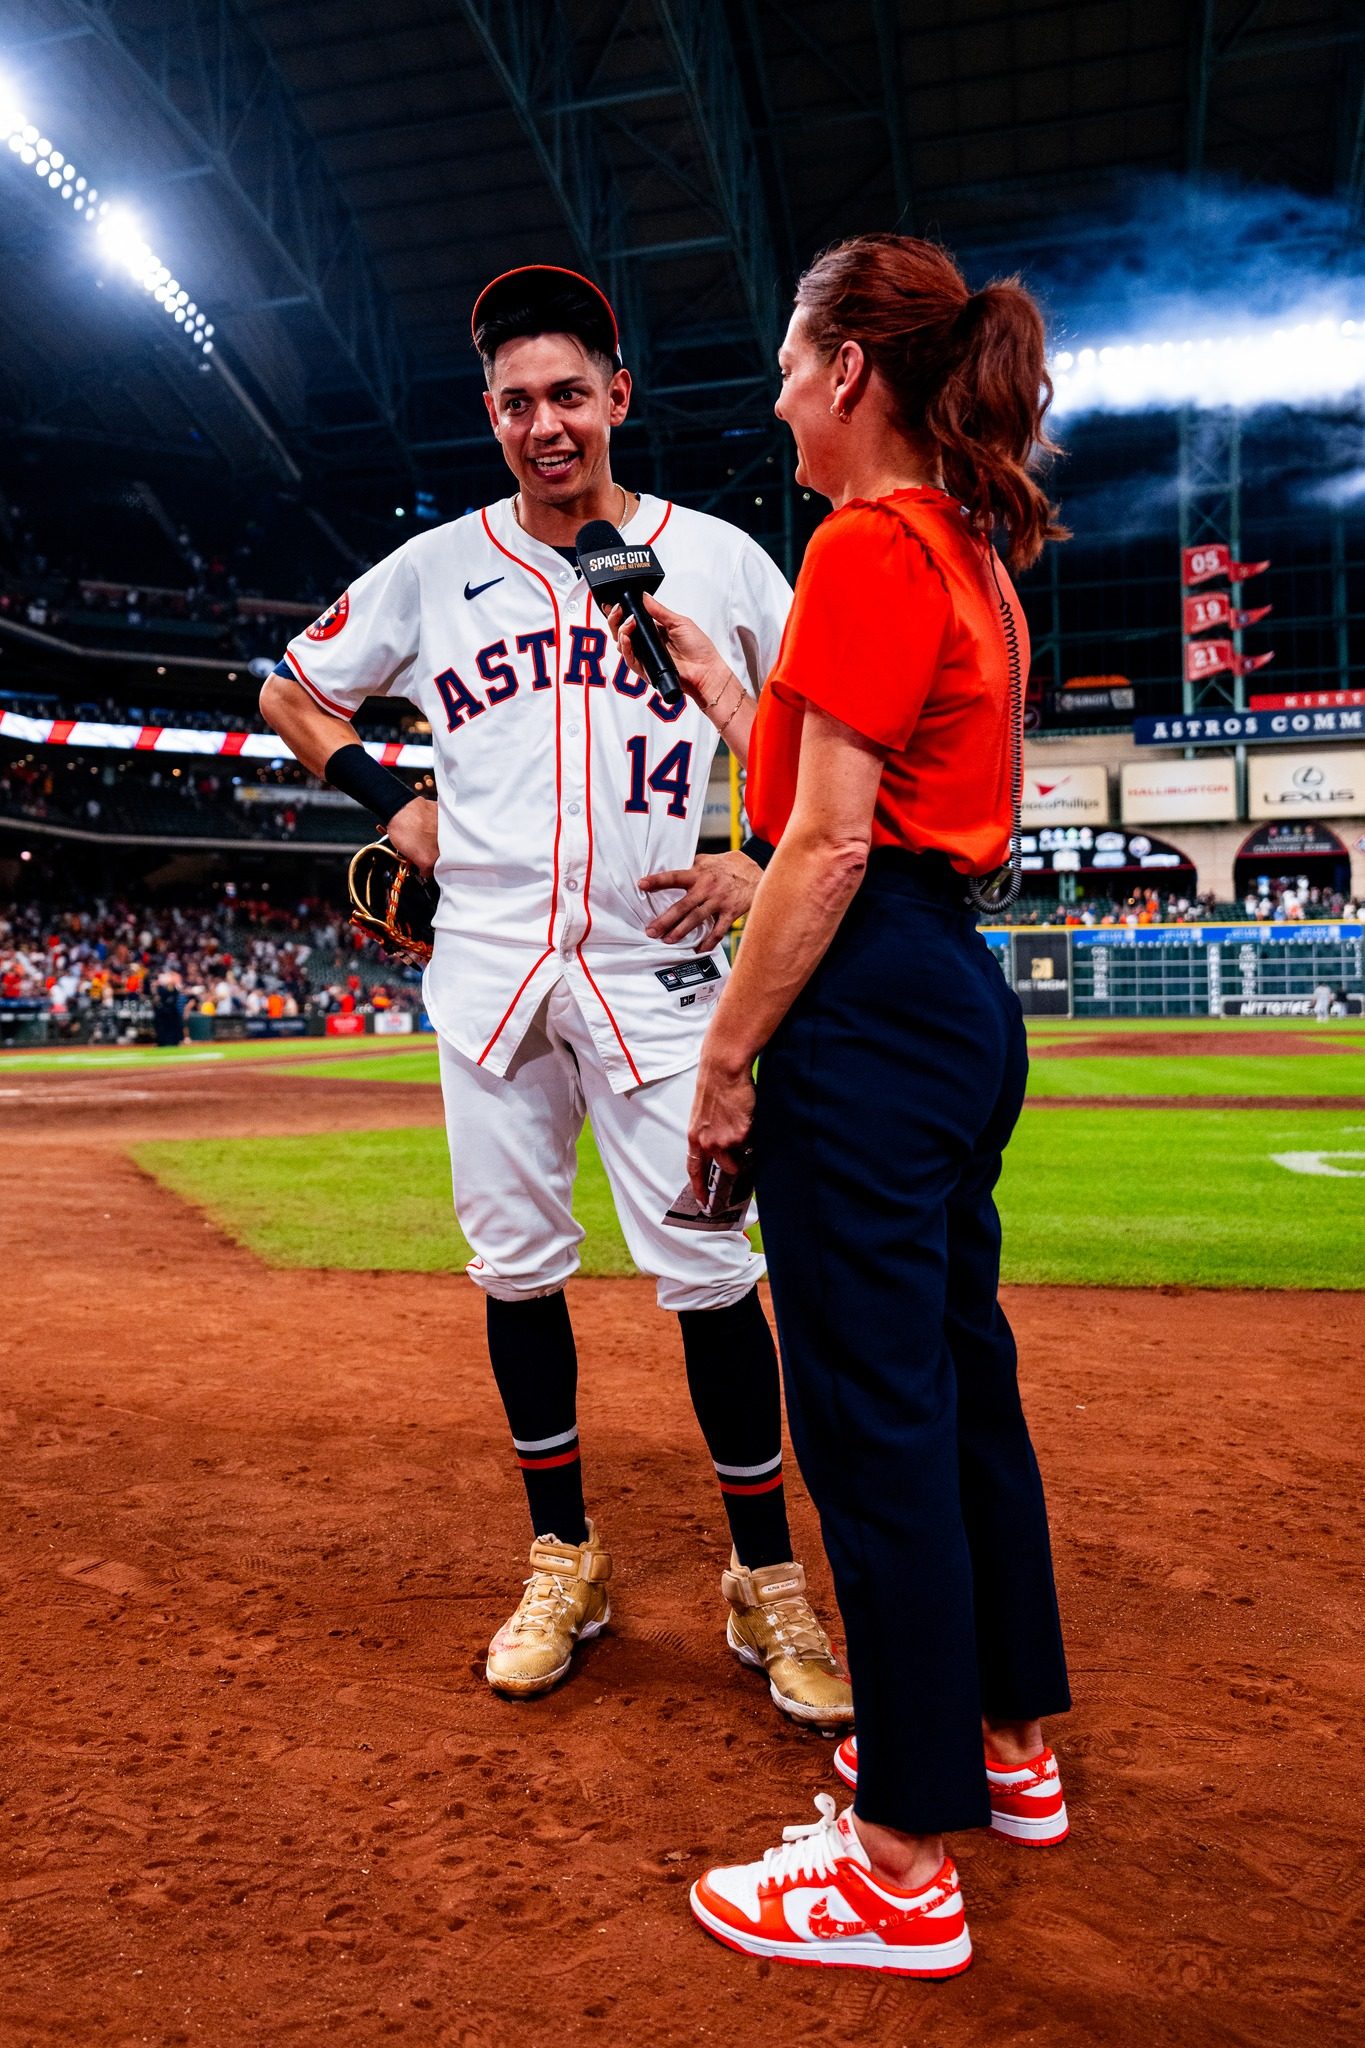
[{"x": 687, "y": 974}]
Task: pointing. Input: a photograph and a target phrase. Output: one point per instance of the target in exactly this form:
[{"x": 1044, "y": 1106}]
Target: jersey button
[
  {"x": 572, "y": 886},
  {"x": 574, "y": 730},
  {"x": 573, "y": 809}
]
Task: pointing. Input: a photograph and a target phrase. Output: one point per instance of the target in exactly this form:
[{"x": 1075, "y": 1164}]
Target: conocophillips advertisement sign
[
  {"x": 1174, "y": 792},
  {"x": 1291, "y": 786},
  {"x": 1068, "y": 794}
]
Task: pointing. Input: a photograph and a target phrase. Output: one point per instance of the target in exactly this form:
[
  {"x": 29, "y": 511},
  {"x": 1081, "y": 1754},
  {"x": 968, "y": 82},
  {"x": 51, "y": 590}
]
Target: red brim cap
[{"x": 532, "y": 281}]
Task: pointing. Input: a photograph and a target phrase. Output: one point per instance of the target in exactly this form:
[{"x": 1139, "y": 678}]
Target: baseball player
[{"x": 569, "y": 797}]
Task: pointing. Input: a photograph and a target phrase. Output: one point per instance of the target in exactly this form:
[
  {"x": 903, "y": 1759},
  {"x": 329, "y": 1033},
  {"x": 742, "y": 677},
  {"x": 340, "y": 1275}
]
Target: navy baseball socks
[
  {"x": 535, "y": 1365},
  {"x": 732, "y": 1377}
]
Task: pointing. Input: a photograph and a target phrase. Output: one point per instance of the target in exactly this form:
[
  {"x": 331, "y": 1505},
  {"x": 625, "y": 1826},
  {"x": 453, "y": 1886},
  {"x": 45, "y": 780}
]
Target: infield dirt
[{"x": 259, "y": 1527}]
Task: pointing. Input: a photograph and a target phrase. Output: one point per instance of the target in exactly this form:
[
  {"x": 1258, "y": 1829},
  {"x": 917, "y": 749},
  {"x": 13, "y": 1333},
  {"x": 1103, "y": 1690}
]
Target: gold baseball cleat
[
  {"x": 774, "y": 1628},
  {"x": 565, "y": 1603}
]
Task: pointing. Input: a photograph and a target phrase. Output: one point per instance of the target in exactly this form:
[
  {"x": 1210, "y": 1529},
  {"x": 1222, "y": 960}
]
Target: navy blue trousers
[{"x": 885, "y": 1101}]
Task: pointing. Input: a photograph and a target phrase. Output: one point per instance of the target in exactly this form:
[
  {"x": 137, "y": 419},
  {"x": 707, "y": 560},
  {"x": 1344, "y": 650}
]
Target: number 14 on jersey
[{"x": 670, "y": 778}]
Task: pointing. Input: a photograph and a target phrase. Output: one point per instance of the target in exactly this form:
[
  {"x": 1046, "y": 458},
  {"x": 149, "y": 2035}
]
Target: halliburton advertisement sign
[
  {"x": 1291, "y": 787},
  {"x": 1178, "y": 792},
  {"x": 1066, "y": 794}
]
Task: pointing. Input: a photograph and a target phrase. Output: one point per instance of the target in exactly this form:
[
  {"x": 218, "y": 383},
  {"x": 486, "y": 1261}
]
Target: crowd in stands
[
  {"x": 183, "y": 590},
  {"x": 147, "y": 620},
  {"x": 1142, "y": 907},
  {"x": 97, "y": 970},
  {"x": 1284, "y": 900},
  {"x": 100, "y": 971}
]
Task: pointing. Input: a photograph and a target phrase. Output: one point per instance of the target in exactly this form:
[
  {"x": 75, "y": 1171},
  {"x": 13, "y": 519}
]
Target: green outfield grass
[
  {"x": 415, "y": 1063},
  {"x": 1150, "y": 1197},
  {"x": 63, "y": 1059},
  {"x": 1102, "y": 1073},
  {"x": 1115, "y": 1196},
  {"x": 1229, "y": 1073},
  {"x": 1103, "y": 1197}
]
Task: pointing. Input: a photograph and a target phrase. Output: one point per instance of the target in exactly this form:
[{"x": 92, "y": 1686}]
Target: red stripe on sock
[
  {"x": 544, "y": 1464},
  {"x": 763, "y": 1486}
]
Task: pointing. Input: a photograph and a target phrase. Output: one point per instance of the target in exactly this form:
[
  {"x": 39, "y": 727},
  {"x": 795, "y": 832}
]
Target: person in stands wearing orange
[{"x": 885, "y": 765}]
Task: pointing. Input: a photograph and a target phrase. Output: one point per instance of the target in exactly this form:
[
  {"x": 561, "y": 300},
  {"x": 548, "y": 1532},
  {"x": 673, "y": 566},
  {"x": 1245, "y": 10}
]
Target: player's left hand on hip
[
  {"x": 719, "y": 889},
  {"x": 722, "y": 1121}
]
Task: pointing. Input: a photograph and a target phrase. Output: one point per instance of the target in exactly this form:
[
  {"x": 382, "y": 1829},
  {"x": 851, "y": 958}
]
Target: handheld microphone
[{"x": 617, "y": 573}]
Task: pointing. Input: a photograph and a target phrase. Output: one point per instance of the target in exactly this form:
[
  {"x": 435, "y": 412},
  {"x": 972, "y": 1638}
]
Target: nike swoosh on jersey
[{"x": 477, "y": 589}]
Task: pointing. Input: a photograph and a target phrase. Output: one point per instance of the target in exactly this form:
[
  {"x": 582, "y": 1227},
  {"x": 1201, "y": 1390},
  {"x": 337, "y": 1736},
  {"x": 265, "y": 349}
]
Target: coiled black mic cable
[{"x": 994, "y": 896}]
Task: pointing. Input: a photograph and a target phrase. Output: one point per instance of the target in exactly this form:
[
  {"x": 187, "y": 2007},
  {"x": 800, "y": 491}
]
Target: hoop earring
[{"x": 842, "y": 417}]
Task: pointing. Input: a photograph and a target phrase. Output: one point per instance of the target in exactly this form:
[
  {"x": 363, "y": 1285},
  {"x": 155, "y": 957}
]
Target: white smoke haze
[
  {"x": 1142, "y": 504},
  {"x": 1124, "y": 486},
  {"x": 1212, "y": 296},
  {"x": 1338, "y": 491}
]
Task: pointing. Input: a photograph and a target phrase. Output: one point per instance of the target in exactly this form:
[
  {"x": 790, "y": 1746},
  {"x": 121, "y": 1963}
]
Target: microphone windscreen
[{"x": 597, "y": 533}]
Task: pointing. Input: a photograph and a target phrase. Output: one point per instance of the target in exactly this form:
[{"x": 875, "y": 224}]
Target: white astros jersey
[{"x": 561, "y": 777}]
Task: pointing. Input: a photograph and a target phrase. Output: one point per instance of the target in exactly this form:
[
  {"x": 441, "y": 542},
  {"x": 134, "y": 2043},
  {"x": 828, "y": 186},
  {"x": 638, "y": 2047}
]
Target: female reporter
[{"x": 883, "y": 762}]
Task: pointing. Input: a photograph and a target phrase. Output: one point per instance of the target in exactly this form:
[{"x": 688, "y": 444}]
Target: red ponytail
[{"x": 967, "y": 371}]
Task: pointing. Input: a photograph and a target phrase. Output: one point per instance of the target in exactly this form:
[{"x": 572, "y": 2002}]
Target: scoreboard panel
[{"x": 1179, "y": 970}]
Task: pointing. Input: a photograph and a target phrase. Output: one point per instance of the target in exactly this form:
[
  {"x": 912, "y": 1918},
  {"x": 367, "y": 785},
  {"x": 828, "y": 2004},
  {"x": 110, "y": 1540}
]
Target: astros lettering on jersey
[{"x": 561, "y": 777}]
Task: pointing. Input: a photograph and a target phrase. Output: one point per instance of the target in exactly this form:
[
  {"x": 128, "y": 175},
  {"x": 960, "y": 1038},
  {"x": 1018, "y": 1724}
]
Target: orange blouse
[{"x": 896, "y": 630}]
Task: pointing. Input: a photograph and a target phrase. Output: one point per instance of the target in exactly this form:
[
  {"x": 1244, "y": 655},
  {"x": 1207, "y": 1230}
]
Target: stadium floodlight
[
  {"x": 1309, "y": 364},
  {"x": 120, "y": 236}
]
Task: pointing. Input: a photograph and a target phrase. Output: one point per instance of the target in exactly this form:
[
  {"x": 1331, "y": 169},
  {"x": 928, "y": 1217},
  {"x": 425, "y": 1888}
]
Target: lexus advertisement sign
[{"x": 1291, "y": 787}]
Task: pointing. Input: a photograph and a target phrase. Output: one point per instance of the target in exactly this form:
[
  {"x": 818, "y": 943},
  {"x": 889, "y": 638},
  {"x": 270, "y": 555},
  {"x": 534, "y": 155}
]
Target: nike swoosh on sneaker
[{"x": 477, "y": 589}]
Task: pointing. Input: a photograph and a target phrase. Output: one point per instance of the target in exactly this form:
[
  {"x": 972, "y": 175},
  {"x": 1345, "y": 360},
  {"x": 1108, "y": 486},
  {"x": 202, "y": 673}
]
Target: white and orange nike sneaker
[
  {"x": 815, "y": 1900},
  {"x": 1026, "y": 1799}
]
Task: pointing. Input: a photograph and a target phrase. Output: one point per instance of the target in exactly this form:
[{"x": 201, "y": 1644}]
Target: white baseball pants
[{"x": 512, "y": 1157}]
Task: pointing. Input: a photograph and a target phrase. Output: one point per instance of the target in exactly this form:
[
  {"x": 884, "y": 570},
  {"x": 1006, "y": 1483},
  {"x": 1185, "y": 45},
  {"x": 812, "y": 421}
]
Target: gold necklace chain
[{"x": 516, "y": 510}]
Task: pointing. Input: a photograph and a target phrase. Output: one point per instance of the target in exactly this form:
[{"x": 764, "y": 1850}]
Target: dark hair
[
  {"x": 564, "y": 308},
  {"x": 967, "y": 370}
]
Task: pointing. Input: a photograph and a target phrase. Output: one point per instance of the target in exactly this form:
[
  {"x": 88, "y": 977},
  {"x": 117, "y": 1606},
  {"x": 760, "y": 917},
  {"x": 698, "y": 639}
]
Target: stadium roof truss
[{"x": 358, "y": 178}]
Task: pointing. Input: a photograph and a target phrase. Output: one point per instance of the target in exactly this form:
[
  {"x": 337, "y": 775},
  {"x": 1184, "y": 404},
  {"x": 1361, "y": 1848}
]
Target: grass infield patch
[
  {"x": 1151, "y": 1197},
  {"x": 359, "y": 1200},
  {"x": 1102, "y": 1197},
  {"x": 59, "y": 1059},
  {"x": 417, "y": 1063},
  {"x": 1337, "y": 1072}
]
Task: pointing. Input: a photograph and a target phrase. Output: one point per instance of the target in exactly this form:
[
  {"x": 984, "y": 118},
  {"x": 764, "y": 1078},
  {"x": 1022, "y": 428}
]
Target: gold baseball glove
[{"x": 391, "y": 902}]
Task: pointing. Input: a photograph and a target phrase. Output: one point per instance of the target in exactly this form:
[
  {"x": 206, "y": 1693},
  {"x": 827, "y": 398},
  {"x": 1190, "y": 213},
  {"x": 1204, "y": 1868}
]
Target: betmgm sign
[{"x": 1040, "y": 969}]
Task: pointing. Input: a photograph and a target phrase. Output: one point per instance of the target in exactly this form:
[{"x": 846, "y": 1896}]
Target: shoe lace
[
  {"x": 542, "y": 1604},
  {"x": 809, "y": 1851},
  {"x": 798, "y": 1631}
]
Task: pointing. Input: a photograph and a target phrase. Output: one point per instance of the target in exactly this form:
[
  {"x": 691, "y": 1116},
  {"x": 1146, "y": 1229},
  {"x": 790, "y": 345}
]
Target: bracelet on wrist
[
  {"x": 713, "y": 708},
  {"x": 382, "y": 793}
]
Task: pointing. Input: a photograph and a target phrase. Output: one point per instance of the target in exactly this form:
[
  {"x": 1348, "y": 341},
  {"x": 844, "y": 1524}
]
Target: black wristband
[
  {"x": 381, "y": 791},
  {"x": 758, "y": 849}
]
